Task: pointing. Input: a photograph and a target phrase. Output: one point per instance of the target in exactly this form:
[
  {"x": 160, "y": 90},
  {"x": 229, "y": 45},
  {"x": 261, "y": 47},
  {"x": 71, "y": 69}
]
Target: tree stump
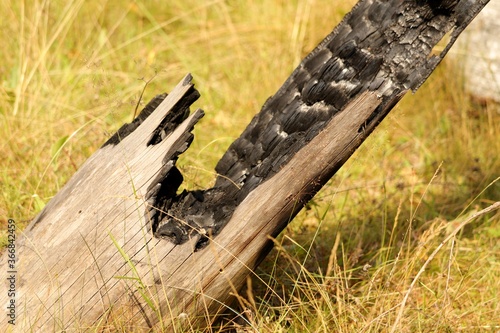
[{"x": 120, "y": 239}]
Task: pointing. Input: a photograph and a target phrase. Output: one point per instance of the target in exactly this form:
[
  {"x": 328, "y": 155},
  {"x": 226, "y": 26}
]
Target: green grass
[{"x": 72, "y": 73}]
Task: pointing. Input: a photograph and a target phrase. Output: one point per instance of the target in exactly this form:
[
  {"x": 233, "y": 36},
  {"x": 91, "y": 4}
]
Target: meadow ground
[{"x": 391, "y": 226}]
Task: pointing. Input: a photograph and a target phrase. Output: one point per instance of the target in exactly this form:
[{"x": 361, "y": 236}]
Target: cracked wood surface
[{"x": 97, "y": 229}]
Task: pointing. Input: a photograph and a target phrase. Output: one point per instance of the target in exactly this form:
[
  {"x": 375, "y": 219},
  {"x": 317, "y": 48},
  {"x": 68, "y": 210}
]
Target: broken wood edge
[
  {"x": 154, "y": 105},
  {"x": 32, "y": 237},
  {"x": 145, "y": 238},
  {"x": 181, "y": 97},
  {"x": 147, "y": 123}
]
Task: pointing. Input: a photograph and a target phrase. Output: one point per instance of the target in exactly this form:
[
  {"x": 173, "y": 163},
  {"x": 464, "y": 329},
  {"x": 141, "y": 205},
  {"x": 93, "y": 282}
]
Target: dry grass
[{"x": 72, "y": 73}]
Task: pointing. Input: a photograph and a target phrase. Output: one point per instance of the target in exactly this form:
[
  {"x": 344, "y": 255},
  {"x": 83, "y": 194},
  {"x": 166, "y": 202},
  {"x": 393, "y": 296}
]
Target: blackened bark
[{"x": 380, "y": 46}]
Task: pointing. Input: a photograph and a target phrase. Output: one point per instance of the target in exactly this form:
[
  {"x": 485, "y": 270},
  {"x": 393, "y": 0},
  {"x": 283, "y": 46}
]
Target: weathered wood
[
  {"x": 187, "y": 253},
  {"x": 67, "y": 259}
]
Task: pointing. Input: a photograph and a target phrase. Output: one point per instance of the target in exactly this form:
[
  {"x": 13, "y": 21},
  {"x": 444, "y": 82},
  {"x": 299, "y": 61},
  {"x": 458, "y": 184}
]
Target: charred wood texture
[{"x": 382, "y": 47}]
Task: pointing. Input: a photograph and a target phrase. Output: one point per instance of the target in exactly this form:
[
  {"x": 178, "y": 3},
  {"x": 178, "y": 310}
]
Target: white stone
[{"x": 478, "y": 52}]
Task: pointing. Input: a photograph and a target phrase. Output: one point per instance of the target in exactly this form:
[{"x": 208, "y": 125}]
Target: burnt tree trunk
[{"x": 119, "y": 238}]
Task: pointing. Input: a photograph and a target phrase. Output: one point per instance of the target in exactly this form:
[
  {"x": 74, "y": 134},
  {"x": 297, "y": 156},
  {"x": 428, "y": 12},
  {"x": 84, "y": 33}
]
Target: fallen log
[{"x": 120, "y": 239}]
